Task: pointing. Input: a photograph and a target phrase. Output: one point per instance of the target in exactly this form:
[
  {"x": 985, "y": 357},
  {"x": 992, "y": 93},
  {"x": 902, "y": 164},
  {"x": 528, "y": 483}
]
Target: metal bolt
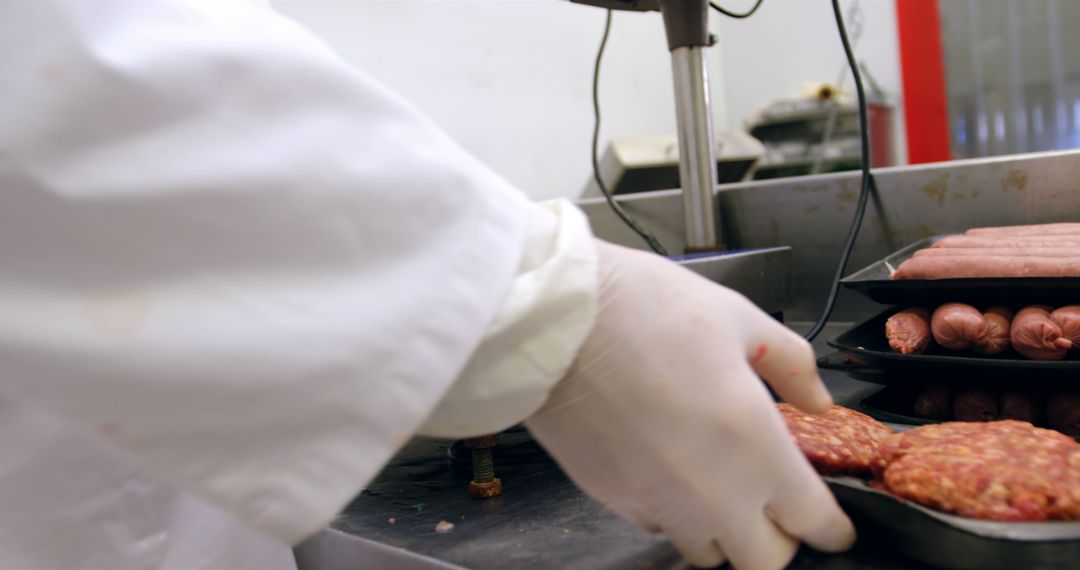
[{"x": 485, "y": 484}]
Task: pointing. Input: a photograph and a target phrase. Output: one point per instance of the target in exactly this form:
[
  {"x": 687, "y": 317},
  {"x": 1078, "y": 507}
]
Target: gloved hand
[{"x": 662, "y": 419}]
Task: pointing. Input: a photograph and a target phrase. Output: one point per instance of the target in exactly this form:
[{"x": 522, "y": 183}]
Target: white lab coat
[{"x": 235, "y": 276}]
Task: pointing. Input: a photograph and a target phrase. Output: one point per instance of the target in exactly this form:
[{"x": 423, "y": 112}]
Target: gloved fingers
[
  {"x": 786, "y": 361},
  {"x": 753, "y": 542},
  {"x": 805, "y": 509},
  {"x": 699, "y": 549},
  {"x": 635, "y": 514}
]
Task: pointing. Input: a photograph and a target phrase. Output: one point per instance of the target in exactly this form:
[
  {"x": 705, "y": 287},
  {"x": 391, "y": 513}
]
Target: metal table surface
[{"x": 541, "y": 521}]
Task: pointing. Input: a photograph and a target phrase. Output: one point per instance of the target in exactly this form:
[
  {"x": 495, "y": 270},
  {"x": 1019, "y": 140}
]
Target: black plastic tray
[
  {"x": 874, "y": 282},
  {"x": 894, "y": 405},
  {"x": 866, "y": 341},
  {"x": 948, "y": 541}
]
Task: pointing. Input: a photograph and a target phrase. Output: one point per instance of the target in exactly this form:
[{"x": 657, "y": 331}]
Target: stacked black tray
[
  {"x": 936, "y": 538},
  {"x": 874, "y": 282},
  {"x": 866, "y": 341}
]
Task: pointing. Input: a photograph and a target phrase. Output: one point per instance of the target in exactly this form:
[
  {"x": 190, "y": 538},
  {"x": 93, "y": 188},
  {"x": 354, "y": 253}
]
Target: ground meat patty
[
  {"x": 837, "y": 442},
  {"x": 1006, "y": 470}
]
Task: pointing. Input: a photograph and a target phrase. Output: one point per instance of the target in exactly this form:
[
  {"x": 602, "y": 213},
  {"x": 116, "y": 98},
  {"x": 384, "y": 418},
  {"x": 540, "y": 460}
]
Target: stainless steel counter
[{"x": 542, "y": 520}]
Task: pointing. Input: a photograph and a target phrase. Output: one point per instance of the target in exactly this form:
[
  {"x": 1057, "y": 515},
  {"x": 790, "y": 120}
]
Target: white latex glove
[{"x": 663, "y": 420}]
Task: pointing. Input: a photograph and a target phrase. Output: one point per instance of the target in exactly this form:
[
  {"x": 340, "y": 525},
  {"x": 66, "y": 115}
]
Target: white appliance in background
[{"x": 641, "y": 164}]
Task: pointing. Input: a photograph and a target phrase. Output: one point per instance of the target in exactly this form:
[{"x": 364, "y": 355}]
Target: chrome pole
[
  {"x": 686, "y": 24},
  {"x": 697, "y": 146}
]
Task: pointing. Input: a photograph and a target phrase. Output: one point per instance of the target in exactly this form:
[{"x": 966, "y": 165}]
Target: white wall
[{"x": 511, "y": 79}]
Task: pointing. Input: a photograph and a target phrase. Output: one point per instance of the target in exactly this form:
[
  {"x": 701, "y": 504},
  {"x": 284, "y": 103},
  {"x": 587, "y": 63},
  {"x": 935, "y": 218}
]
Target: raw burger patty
[
  {"x": 1007, "y": 470},
  {"x": 837, "y": 442}
]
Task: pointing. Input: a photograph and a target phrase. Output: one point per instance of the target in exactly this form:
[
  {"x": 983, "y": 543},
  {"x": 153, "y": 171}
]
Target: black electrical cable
[
  {"x": 634, "y": 225},
  {"x": 731, "y": 14},
  {"x": 867, "y": 178}
]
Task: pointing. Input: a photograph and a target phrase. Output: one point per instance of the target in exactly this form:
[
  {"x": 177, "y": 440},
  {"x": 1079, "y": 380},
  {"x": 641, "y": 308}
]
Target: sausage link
[
  {"x": 1068, "y": 318},
  {"x": 956, "y": 326},
  {"x": 909, "y": 330},
  {"x": 998, "y": 252},
  {"x": 1034, "y": 335},
  {"x": 975, "y": 405},
  {"x": 934, "y": 404},
  {"x": 987, "y": 266},
  {"x": 1063, "y": 413},
  {"x": 1024, "y": 406},
  {"x": 1008, "y": 241},
  {"x": 996, "y": 338},
  {"x": 1059, "y": 229}
]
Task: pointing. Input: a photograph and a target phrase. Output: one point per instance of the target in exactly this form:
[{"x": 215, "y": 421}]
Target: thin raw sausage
[
  {"x": 1008, "y": 241},
  {"x": 1059, "y": 229},
  {"x": 987, "y": 266},
  {"x": 996, "y": 338},
  {"x": 998, "y": 251},
  {"x": 1068, "y": 318},
  {"x": 956, "y": 326},
  {"x": 1034, "y": 335},
  {"x": 909, "y": 330}
]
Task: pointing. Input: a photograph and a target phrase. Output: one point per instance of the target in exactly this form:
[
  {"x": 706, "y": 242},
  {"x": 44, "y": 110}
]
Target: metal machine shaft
[
  {"x": 686, "y": 24},
  {"x": 697, "y": 146}
]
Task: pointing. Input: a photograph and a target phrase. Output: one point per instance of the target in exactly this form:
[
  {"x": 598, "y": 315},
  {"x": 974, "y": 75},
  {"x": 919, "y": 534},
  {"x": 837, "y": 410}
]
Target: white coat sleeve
[
  {"x": 545, "y": 316},
  {"x": 248, "y": 266}
]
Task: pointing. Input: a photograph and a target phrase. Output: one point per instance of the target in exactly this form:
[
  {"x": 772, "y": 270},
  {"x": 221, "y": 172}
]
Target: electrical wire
[
  {"x": 854, "y": 27},
  {"x": 645, "y": 234},
  {"x": 731, "y": 14},
  {"x": 868, "y": 184}
]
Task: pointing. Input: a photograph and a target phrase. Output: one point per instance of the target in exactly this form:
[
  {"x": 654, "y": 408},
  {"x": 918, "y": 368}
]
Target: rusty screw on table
[{"x": 485, "y": 484}]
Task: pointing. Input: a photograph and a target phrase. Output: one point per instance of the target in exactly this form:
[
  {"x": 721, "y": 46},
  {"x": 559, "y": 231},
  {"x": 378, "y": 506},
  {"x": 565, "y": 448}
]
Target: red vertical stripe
[{"x": 923, "y": 69}]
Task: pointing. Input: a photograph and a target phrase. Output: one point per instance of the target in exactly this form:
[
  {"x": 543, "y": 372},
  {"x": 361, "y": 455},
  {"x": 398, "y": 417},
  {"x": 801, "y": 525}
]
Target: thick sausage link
[
  {"x": 975, "y": 405},
  {"x": 1024, "y": 406},
  {"x": 1068, "y": 318},
  {"x": 996, "y": 338},
  {"x": 956, "y": 326},
  {"x": 949, "y": 267},
  {"x": 1034, "y": 335},
  {"x": 1060, "y": 229},
  {"x": 909, "y": 330},
  {"x": 1063, "y": 413},
  {"x": 934, "y": 404}
]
